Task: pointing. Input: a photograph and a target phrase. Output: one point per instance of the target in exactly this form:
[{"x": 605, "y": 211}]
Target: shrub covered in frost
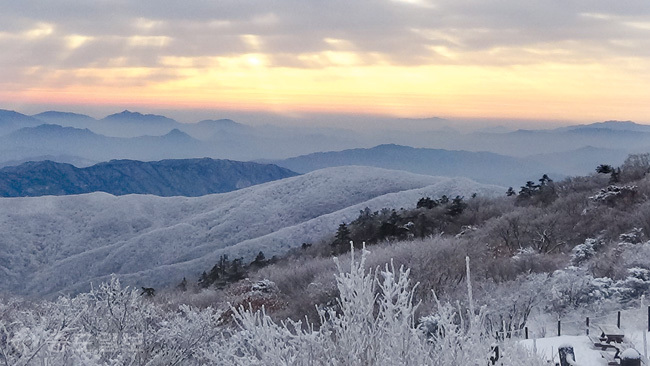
[
  {"x": 585, "y": 251},
  {"x": 634, "y": 236},
  {"x": 613, "y": 194},
  {"x": 637, "y": 283},
  {"x": 110, "y": 325},
  {"x": 574, "y": 287},
  {"x": 372, "y": 324}
]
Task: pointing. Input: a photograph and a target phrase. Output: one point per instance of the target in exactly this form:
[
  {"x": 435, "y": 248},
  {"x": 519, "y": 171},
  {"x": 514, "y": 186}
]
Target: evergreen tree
[
  {"x": 343, "y": 238},
  {"x": 456, "y": 207},
  {"x": 544, "y": 180},
  {"x": 426, "y": 202},
  {"x": 604, "y": 169},
  {"x": 259, "y": 261}
]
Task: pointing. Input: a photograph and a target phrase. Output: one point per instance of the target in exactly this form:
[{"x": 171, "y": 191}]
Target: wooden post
[
  {"x": 618, "y": 320},
  {"x": 526, "y": 332},
  {"x": 587, "y": 323},
  {"x": 559, "y": 328}
]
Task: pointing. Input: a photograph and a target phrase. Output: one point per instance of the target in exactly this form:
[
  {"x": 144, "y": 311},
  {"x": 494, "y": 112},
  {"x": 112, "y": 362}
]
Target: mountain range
[
  {"x": 180, "y": 177},
  {"x": 571, "y": 150},
  {"x": 480, "y": 166},
  {"x": 56, "y": 244}
]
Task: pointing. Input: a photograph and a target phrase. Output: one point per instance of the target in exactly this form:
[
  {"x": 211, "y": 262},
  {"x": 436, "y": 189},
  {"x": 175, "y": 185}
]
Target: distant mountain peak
[
  {"x": 612, "y": 125},
  {"x": 177, "y": 134},
  {"x": 63, "y": 117},
  {"x": 619, "y": 121},
  {"x": 58, "y": 114},
  {"x": 9, "y": 115},
  {"x": 127, "y": 115},
  {"x": 224, "y": 122},
  {"x": 8, "y": 112},
  {"x": 391, "y": 147}
]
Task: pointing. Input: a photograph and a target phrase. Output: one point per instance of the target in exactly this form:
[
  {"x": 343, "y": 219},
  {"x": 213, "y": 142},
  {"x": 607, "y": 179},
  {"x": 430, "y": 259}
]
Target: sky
[{"x": 585, "y": 60}]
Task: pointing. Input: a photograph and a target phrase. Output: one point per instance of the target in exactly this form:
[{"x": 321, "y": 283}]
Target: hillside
[
  {"x": 480, "y": 166},
  {"x": 59, "y": 243},
  {"x": 183, "y": 177}
]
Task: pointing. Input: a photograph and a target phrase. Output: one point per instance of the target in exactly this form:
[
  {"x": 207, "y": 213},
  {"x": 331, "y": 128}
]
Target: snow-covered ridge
[{"x": 49, "y": 244}]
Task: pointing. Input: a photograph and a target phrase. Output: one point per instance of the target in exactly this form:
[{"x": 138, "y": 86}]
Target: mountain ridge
[
  {"x": 484, "y": 167},
  {"x": 179, "y": 177}
]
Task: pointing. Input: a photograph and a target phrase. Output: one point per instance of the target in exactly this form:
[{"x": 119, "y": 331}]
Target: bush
[{"x": 373, "y": 324}]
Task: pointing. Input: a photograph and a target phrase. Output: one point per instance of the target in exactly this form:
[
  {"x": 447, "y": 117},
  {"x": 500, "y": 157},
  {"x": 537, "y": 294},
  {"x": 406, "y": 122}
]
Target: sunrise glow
[{"x": 268, "y": 60}]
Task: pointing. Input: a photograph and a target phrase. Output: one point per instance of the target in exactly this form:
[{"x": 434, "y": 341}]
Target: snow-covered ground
[
  {"x": 585, "y": 354},
  {"x": 634, "y": 323},
  {"x": 50, "y": 244}
]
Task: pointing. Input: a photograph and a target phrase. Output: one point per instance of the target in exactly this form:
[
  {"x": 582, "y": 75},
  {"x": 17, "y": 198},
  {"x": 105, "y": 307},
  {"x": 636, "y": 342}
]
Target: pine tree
[
  {"x": 456, "y": 207},
  {"x": 604, "y": 169},
  {"x": 343, "y": 238}
]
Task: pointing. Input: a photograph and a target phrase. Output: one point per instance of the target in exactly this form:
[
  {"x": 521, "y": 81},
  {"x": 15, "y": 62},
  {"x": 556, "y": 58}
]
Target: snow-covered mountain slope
[{"x": 62, "y": 243}]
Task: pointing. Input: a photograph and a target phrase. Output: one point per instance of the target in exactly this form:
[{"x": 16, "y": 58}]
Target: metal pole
[
  {"x": 559, "y": 327},
  {"x": 618, "y": 320},
  {"x": 526, "y": 332},
  {"x": 587, "y": 325}
]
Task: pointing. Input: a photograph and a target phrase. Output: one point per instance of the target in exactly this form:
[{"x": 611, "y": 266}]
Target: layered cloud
[{"x": 254, "y": 47}]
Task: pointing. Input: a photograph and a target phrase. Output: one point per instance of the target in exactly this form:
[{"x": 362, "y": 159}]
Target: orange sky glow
[{"x": 449, "y": 71}]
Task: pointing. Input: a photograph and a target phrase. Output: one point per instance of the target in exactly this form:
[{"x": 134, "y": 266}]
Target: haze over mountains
[
  {"x": 506, "y": 158},
  {"x": 480, "y": 166}
]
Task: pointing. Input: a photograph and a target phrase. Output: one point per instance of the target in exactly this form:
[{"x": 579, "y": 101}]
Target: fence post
[
  {"x": 587, "y": 323},
  {"x": 559, "y": 328},
  {"x": 648, "y": 318},
  {"x": 618, "y": 320},
  {"x": 526, "y": 332}
]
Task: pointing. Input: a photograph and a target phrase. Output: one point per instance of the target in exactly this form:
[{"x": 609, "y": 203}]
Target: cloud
[
  {"x": 72, "y": 41},
  {"x": 403, "y": 31}
]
